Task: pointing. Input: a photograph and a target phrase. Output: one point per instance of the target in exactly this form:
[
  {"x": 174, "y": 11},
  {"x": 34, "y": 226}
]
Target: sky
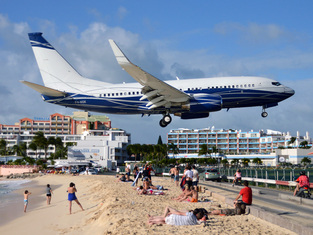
[{"x": 187, "y": 39}]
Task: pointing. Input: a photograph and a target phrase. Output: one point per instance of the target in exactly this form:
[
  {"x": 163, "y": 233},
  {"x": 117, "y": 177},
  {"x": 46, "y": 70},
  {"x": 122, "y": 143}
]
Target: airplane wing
[
  {"x": 44, "y": 90},
  {"x": 156, "y": 91}
]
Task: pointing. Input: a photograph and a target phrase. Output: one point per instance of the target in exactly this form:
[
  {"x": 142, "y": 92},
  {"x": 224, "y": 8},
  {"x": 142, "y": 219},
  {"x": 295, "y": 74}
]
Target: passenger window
[
  {"x": 103, "y": 95},
  {"x": 108, "y": 94},
  {"x": 240, "y": 86},
  {"x": 112, "y": 94},
  {"x": 196, "y": 88},
  {"x": 245, "y": 85},
  {"x": 252, "y": 85},
  {"x": 216, "y": 87},
  {"x": 129, "y": 93},
  {"x": 121, "y": 93},
  {"x": 248, "y": 85},
  {"x": 233, "y": 86},
  {"x": 100, "y": 95},
  {"x": 221, "y": 86},
  {"x": 137, "y": 92},
  {"x": 228, "y": 86},
  {"x": 116, "y": 94},
  {"x": 133, "y": 93},
  {"x": 236, "y": 86},
  {"x": 188, "y": 89},
  {"x": 225, "y": 86}
]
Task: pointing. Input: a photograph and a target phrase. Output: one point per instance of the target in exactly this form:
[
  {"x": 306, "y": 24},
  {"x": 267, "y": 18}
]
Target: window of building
[{"x": 41, "y": 124}]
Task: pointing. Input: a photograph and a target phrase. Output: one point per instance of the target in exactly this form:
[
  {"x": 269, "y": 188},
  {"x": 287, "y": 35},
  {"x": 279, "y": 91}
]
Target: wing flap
[
  {"x": 170, "y": 93},
  {"x": 44, "y": 90}
]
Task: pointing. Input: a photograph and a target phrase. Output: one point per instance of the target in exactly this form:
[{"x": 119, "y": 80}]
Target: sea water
[{"x": 8, "y": 197}]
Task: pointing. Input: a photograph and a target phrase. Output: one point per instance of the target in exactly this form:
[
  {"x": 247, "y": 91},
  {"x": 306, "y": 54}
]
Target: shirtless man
[
  {"x": 176, "y": 175},
  {"x": 171, "y": 172},
  {"x": 26, "y": 193}
]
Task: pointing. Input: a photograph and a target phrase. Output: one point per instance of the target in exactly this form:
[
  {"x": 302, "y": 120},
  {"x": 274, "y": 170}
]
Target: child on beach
[
  {"x": 49, "y": 192},
  {"x": 26, "y": 193}
]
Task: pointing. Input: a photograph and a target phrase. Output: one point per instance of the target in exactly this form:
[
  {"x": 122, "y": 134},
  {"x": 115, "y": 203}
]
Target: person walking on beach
[
  {"x": 72, "y": 197},
  {"x": 49, "y": 192},
  {"x": 26, "y": 193},
  {"x": 176, "y": 175}
]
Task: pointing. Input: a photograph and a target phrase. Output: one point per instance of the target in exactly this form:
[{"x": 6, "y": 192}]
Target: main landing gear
[{"x": 165, "y": 120}]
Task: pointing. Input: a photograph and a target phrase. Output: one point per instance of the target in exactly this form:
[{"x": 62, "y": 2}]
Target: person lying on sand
[
  {"x": 122, "y": 178},
  {"x": 240, "y": 209},
  {"x": 147, "y": 185},
  {"x": 177, "y": 218},
  {"x": 187, "y": 192}
]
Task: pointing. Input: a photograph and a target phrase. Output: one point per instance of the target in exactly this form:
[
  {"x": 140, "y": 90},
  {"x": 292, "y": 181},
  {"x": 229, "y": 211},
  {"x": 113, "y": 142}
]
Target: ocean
[{"x": 9, "y": 198}]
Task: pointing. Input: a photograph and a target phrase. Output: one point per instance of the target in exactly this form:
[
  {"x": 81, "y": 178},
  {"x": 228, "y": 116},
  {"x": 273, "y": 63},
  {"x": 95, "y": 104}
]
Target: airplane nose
[{"x": 289, "y": 91}]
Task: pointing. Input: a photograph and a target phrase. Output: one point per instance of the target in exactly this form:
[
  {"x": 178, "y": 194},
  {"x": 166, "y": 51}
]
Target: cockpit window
[{"x": 276, "y": 83}]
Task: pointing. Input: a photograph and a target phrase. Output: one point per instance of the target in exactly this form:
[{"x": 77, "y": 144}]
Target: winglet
[
  {"x": 120, "y": 57},
  {"x": 45, "y": 90}
]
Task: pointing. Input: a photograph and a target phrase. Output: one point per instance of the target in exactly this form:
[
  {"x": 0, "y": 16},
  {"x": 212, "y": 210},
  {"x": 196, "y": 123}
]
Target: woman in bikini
[{"x": 72, "y": 197}]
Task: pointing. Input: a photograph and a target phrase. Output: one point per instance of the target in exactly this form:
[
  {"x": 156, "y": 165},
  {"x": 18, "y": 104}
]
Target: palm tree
[
  {"x": 203, "y": 150},
  {"x": 245, "y": 162},
  {"x": 174, "y": 149},
  {"x": 235, "y": 161},
  {"x": 41, "y": 141},
  {"x": 3, "y": 147},
  {"x": 33, "y": 147},
  {"x": 303, "y": 144},
  {"x": 257, "y": 161},
  {"x": 224, "y": 162}
]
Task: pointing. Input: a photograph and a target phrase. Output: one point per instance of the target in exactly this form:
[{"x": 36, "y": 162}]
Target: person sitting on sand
[
  {"x": 147, "y": 185},
  {"x": 122, "y": 178},
  {"x": 246, "y": 194},
  {"x": 72, "y": 197},
  {"x": 192, "y": 196},
  {"x": 187, "y": 192},
  {"x": 26, "y": 193},
  {"x": 177, "y": 218},
  {"x": 141, "y": 190}
]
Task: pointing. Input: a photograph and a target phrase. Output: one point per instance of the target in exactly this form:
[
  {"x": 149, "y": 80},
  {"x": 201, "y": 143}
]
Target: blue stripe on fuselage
[{"x": 232, "y": 98}]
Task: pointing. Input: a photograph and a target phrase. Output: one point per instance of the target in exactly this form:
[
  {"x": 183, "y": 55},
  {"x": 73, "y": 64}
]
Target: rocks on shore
[{"x": 22, "y": 175}]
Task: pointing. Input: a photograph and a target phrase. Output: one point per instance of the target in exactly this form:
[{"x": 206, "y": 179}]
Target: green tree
[
  {"x": 306, "y": 160},
  {"x": 3, "y": 147},
  {"x": 174, "y": 149},
  {"x": 33, "y": 146},
  {"x": 257, "y": 161},
  {"x": 41, "y": 141},
  {"x": 203, "y": 150},
  {"x": 245, "y": 162},
  {"x": 303, "y": 144},
  {"x": 160, "y": 140},
  {"x": 235, "y": 161},
  {"x": 224, "y": 162},
  {"x": 292, "y": 141}
]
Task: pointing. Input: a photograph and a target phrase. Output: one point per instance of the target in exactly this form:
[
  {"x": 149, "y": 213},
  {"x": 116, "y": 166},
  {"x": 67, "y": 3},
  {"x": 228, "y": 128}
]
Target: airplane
[{"x": 186, "y": 98}]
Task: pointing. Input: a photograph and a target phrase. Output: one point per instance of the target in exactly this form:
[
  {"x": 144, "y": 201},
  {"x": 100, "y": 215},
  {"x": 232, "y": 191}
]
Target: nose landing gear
[
  {"x": 264, "y": 114},
  {"x": 165, "y": 120}
]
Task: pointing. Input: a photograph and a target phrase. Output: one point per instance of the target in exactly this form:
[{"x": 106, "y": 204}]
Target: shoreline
[{"x": 112, "y": 207}]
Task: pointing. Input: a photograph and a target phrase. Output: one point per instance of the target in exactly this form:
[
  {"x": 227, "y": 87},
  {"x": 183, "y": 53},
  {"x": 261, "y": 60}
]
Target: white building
[{"x": 106, "y": 147}]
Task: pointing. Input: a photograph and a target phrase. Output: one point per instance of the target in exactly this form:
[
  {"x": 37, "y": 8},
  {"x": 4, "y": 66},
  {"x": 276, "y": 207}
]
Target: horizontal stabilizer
[{"x": 44, "y": 90}]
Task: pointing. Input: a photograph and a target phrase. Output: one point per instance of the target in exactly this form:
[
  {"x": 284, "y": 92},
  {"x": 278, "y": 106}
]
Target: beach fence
[{"x": 278, "y": 177}]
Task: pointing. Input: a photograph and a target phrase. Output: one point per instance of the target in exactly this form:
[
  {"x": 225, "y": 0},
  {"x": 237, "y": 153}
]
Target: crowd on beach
[{"x": 190, "y": 193}]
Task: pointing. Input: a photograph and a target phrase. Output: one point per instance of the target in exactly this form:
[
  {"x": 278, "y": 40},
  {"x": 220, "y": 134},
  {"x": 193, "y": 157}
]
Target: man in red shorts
[
  {"x": 246, "y": 194},
  {"x": 302, "y": 181}
]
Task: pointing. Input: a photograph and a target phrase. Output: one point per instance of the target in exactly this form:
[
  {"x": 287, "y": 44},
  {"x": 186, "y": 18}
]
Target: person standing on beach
[
  {"x": 49, "y": 192},
  {"x": 176, "y": 175},
  {"x": 26, "y": 193},
  {"x": 72, "y": 197},
  {"x": 171, "y": 172},
  {"x": 195, "y": 178}
]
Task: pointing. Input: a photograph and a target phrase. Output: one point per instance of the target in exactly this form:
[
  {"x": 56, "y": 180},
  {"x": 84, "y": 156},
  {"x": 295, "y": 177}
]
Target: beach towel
[{"x": 182, "y": 183}]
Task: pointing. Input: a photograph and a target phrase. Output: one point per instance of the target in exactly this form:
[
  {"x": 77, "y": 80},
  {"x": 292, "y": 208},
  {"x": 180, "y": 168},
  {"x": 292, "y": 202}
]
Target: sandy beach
[{"x": 112, "y": 207}]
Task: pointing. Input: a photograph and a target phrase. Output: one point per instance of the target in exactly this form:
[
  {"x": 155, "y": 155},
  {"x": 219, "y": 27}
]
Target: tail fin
[{"x": 55, "y": 71}]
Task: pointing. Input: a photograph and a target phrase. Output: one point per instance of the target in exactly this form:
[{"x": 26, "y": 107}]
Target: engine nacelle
[{"x": 202, "y": 103}]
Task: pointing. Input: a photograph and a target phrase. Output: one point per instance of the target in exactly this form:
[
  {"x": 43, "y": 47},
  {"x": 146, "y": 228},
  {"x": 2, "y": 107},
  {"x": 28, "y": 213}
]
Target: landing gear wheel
[
  {"x": 264, "y": 114},
  {"x": 167, "y": 119},
  {"x": 162, "y": 123}
]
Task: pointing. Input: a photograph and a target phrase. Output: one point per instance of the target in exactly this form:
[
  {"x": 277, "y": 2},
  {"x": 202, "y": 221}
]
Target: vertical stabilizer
[{"x": 55, "y": 71}]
